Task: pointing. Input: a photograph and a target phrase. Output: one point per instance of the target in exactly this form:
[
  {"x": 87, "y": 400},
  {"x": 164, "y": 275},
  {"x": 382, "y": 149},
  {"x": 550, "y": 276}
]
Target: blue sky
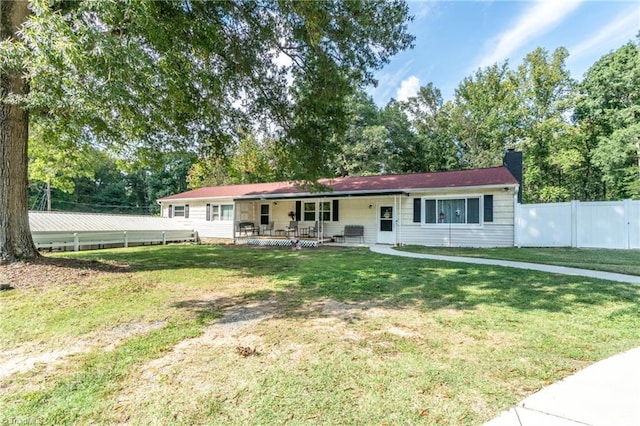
[{"x": 455, "y": 38}]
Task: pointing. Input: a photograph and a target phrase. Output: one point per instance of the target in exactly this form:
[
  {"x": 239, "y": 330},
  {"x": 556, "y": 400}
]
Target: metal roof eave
[
  {"x": 338, "y": 194},
  {"x": 298, "y": 195},
  {"x": 345, "y": 194}
]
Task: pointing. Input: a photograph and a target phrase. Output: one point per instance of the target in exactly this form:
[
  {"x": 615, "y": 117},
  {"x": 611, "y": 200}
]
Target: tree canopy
[
  {"x": 580, "y": 140},
  {"x": 148, "y": 75}
]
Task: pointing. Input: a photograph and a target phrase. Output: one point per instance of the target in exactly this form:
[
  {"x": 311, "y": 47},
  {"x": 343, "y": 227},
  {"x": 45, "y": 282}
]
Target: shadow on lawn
[
  {"x": 358, "y": 276},
  {"x": 351, "y": 275}
]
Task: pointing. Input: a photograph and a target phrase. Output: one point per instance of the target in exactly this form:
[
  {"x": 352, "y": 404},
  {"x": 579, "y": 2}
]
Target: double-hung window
[
  {"x": 309, "y": 212},
  {"x": 179, "y": 211},
  {"x": 325, "y": 213},
  {"x": 220, "y": 212},
  {"x": 264, "y": 214},
  {"x": 451, "y": 211},
  {"x": 325, "y": 209}
]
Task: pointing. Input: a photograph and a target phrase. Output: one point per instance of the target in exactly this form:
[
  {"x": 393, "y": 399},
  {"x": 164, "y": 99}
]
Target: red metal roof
[{"x": 359, "y": 184}]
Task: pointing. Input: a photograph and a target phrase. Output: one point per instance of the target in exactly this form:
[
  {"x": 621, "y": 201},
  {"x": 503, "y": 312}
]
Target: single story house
[{"x": 473, "y": 208}]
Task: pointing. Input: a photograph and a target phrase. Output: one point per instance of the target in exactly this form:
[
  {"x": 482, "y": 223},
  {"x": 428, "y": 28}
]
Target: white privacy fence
[{"x": 614, "y": 225}]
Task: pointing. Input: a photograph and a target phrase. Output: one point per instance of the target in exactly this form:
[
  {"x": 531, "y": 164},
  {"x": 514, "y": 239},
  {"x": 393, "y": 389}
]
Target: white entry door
[{"x": 386, "y": 224}]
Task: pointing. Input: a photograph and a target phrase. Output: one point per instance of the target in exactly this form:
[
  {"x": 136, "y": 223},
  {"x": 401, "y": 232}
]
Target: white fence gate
[{"x": 614, "y": 225}]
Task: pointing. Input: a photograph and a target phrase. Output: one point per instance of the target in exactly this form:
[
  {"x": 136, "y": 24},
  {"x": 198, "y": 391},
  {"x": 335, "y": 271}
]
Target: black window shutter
[
  {"x": 417, "y": 204},
  {"x": 488, "y": 208},
  {"x": 335, "y": 211},
  {"x": 186, "y": 211},
  {"x": 298, "y": 210},
  {"x": 170, "y": 210},
  {"x": 208, "y": 212}
]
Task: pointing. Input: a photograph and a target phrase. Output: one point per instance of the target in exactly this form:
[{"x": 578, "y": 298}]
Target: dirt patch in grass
[
  {"x": 44, "y": 272},
  {"x": 29, "y": 356}
]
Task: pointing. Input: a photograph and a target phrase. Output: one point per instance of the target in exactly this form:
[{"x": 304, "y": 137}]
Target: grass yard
[
  {"x": 207, "y": 334},
  {"x": 620, "y": 261}
]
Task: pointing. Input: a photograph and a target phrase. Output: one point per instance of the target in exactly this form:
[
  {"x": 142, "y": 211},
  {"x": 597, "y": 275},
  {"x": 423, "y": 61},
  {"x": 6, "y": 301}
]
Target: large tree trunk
[{"x": 15, "y": 236}]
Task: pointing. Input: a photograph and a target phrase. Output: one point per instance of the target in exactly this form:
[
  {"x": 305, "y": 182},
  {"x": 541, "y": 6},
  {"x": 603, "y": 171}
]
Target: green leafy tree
[
  {"x": 405, "y": 153},
  {"x": 158, "y": 73},
  {"x": 552, "y": 161},
  {"x": 148, "y": 181},
  {"x": 208, "y": 171},
  {"x": 364, "y": 145},
  {"x": 59, "y": 161},
  {"x": 254, "y": 160},
  {"x": 608, "y": 113},
  {"x": 434, "y": 148},
  {"x": 483, "y": 118}
]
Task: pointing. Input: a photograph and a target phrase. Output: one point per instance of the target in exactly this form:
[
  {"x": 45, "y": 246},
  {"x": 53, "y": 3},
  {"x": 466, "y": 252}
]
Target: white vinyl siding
[{"x": 498, "y": 233}]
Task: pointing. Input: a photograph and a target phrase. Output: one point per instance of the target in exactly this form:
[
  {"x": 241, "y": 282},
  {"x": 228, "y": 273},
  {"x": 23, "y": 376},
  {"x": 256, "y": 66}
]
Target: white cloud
[
  {"x": 420, "y": 9},
  {"x": 536, "y": 20},
  {"x": 408, "y": 88},
  {"x": 623, "y": 28},
  {"x": 386, "y": 83}
]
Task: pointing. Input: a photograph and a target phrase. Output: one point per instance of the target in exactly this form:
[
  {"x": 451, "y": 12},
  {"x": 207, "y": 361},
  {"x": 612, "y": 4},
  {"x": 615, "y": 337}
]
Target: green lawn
[
  {"x": 620, "y": 261},
  {"x": 341, "y": 336}
]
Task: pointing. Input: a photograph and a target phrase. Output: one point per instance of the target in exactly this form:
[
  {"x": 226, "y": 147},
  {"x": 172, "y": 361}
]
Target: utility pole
[{"x": 48, "y": 195}]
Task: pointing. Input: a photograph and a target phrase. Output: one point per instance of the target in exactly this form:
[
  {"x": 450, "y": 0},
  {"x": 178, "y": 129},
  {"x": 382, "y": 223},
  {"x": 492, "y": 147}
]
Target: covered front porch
[
  {"x": 276, "y": 222},
  {"x": 317, "y": 219}
]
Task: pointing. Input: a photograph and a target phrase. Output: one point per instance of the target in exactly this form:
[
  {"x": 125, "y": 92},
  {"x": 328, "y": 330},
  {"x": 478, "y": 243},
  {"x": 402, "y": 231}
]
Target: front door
[{"x": 386, "y": 224}]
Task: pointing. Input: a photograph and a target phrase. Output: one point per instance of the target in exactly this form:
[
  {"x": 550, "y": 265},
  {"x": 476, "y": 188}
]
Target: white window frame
[
  {"x": 318, "y": 210},
  {"x": 466, "y": 197},
  {"x": 326, "y": 212},
  {"x": 216, "y": 212},
  {"x": 305, "y": 211},
  {"x": 182, "y": 207}
]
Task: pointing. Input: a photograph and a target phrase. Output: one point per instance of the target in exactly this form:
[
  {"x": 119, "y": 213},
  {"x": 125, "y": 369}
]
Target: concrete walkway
[
  {"x": 611, "y": 276},
  {"x": 605, "y": 393}
]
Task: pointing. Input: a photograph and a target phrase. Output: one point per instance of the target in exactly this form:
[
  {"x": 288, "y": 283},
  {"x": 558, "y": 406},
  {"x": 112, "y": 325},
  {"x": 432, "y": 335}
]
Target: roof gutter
[{"x": 340, "y": 194}]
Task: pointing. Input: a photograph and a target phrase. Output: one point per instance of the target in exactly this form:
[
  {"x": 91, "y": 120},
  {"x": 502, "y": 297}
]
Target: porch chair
[
  {"x": 292, "y": 228},
  {"x": 315, "y": 230},
  {"x": 267, "y": 229}
]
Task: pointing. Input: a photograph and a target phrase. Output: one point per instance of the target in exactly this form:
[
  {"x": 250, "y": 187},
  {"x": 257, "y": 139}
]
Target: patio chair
[
  {"x": 267, "y": 229},
  {"x": 292, "y": 228},
  {"x": 315, "y": 230}
]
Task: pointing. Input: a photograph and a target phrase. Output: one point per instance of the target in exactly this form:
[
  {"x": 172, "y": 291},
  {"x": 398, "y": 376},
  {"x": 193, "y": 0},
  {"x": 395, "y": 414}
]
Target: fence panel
[
  {"x": 543, "y": 225},
  {"x": 612, "y": 225},
  {"x": 634, "y": 224},
  {"x": 602, "y": 225}
]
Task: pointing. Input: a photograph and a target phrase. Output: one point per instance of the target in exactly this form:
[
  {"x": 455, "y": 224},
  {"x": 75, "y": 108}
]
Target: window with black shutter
[
  {"x": 417, "y": 204},
  {"x": 298, "y": 210},
  {"x": 488, "y": 208}
]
